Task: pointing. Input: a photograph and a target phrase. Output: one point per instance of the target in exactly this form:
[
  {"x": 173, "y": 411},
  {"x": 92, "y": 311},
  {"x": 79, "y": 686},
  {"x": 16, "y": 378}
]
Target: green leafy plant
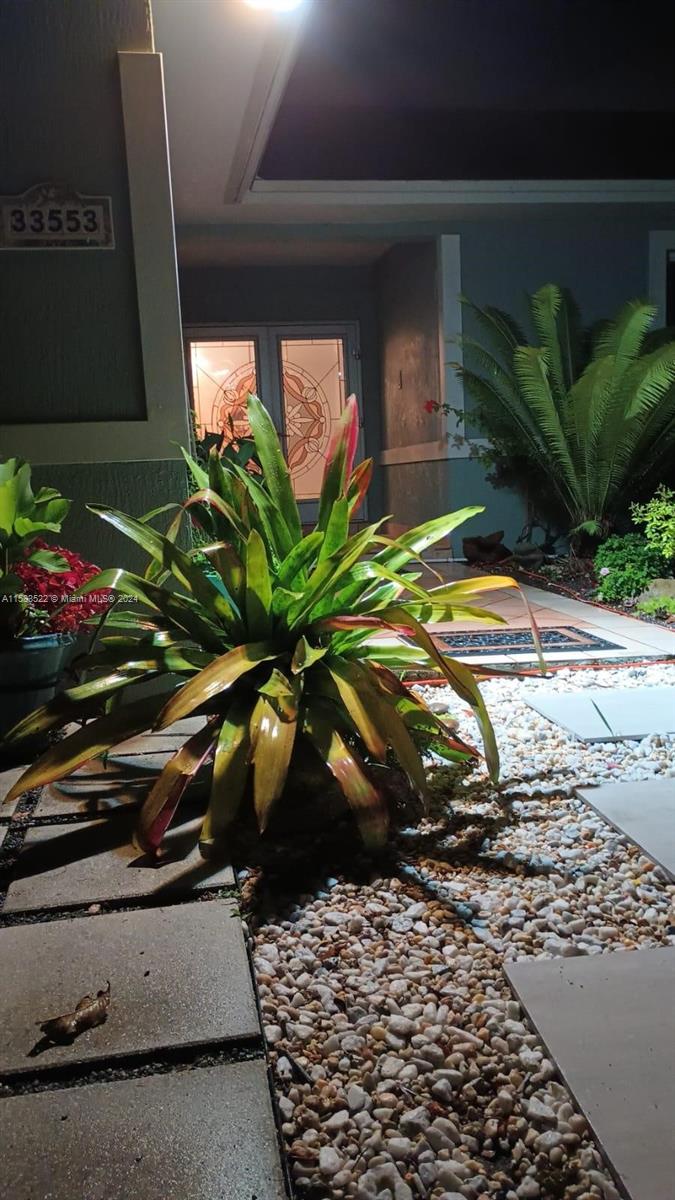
[
  {"x": 625, "y": 566},
  {"x": 24, "y": 515},
  {"x": 657, "y": 606},
  {"x": 233, "y": 450},
  {"x": 579, "y": 420},
  {"x": 282, "y": 642},
  {"x": 658, "y": 518}
]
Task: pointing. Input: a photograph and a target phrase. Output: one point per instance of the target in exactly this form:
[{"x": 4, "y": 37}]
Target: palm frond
[
  {"x": 545, "y": 306},
  {"x": 504, "y": 333},
  {"x": 624, "y": 337},
  {"x": 531, "y": 370}
]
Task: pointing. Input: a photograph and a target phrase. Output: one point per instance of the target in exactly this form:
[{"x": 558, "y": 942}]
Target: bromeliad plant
[{"x": 280, "y": 640}]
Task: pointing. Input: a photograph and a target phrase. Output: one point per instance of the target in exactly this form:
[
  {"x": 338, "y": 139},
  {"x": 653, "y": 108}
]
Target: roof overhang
[
  {"x": 460, "y": 192},
  {"x": 226, "y": 66}
]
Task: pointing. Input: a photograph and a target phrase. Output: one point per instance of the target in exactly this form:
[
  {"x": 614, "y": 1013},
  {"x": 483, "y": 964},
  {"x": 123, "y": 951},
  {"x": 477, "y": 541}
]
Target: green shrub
[
  {"x": 625, "y": 566},
  {"x": 575, "y": 418},
  {"x": 657, "y": 606},
  {"x": 658, "y": 518},
  {"x": 24, "y": 516}
]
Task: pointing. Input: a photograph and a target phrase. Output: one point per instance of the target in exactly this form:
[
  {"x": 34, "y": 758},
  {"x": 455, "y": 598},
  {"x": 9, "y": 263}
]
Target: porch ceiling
[{"x": 230, "y": 69}]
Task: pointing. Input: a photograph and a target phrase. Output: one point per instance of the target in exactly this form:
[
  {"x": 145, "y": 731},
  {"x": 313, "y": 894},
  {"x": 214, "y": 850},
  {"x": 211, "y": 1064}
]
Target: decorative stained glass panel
[
  {"x": 223, "y": 373},
  {"x": 314, "y": 393}
]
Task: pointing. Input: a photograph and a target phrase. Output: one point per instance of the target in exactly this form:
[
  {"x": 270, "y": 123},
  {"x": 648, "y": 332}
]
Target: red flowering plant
[{"x": 47, "y": 607}]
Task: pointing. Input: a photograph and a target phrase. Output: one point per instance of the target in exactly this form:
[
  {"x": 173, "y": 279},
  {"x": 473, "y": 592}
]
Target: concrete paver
[
  {"x": 95, "y": 861},
  {"x": 103, "y": 788},
  {"x": 203, "y": 1134},
  {"x": 179, "y": 976},
  {"x": 607, "y": 1021},
  {"x": 8, "y": 778},
  {"x": 170, "y": 739},
  {"x": 644, "y": 812},
  {"x": 609, "y": 714}
]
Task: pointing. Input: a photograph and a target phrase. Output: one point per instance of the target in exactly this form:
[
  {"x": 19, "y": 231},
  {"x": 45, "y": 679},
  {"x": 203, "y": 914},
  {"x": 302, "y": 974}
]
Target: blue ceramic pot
[{"x": 30, "y": 669}]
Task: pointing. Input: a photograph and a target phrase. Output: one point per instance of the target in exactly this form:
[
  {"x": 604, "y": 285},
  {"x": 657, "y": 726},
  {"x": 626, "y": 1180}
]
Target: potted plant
[
  {"x": 290, "y": 648},
  {"x": 37, "y": 626}
]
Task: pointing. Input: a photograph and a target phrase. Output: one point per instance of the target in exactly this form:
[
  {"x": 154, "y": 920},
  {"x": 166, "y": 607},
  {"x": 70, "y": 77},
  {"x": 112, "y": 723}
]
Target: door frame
[{"x": 267, "y": 337}]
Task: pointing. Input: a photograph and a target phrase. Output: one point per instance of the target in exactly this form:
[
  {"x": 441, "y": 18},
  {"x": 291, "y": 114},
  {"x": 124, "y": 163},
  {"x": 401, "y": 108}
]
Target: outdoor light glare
[{"x": 275, "y": 5}]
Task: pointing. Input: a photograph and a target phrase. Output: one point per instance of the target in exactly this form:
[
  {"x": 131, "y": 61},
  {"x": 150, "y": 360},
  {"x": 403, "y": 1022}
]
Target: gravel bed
[{"x": 404, "y": 1067}]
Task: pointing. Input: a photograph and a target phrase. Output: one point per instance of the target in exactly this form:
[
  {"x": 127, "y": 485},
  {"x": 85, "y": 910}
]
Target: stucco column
[{"x": 93, "y": 386}]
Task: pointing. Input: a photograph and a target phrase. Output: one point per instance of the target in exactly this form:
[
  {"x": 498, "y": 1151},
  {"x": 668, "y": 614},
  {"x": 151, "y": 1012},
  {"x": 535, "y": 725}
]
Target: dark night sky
[{"x": 480, "y": 88}]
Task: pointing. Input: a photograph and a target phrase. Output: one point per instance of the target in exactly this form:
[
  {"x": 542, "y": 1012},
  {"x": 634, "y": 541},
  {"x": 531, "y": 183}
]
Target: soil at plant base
[{"x": 573, "y": 577}]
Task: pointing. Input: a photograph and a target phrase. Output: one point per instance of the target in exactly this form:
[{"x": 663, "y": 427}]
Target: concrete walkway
[
  {"x": 631, "y": 637},
  {"x": 170, "y": 1096}
]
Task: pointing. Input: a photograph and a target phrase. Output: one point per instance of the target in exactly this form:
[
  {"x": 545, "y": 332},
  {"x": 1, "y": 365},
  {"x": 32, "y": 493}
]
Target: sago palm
[
  {"x": 282, "y": 642},
  {"x": 589, "y": 418}
]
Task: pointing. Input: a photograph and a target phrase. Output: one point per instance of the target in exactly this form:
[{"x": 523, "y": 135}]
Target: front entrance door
[{"x": 303, "y": 375}]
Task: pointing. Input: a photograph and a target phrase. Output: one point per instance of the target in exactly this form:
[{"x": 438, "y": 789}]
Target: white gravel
[{"x": 426, "y": 1081}]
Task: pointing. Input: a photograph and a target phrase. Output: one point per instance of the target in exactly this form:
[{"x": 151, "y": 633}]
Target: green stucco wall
[
  {"x": 134, "y": 488},
  {"x": 70, "y": 339},
  {"x": 69, "y": 335}
]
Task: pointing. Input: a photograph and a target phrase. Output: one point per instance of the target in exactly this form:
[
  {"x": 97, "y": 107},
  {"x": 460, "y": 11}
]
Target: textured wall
[
  {"x": 409, "y": 346},
  {"x": 69, "y": 336},
  {"x": 409, "y": 351},
  {"x": 604, "y": 259},
  {"x": 134, "y": 488}
]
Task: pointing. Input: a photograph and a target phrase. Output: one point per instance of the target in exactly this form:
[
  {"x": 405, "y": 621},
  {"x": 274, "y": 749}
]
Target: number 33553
[{"x": 54, "y": 220}]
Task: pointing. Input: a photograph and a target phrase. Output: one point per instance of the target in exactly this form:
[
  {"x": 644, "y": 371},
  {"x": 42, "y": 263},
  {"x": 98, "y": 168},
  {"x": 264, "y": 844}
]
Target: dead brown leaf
[{"x": 89, "y": 1012}]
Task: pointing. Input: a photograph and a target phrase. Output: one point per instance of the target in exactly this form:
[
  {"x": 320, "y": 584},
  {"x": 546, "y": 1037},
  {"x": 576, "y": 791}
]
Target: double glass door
[{"x": 302, "y": 374}]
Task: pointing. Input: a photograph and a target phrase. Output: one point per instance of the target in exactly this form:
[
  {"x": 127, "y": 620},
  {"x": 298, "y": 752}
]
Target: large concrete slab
[
  {"x": 8, "y": 778},
  {"x": 608, "y": 1022},
  {"x": 608, "y": 714},
  {"x": 644, "y": 812},
  {"x": 95, "y": 861},
  {"x": 179, "y": 976},
  {"x": 95, "y": 790},
  {"x": 205, "y": 1134},
  {"x": 155, "y": 741},
  {"x": 104, "y": 788}
]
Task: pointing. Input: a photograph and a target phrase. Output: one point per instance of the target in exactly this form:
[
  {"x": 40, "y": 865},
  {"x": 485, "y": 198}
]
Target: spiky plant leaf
[
  {"x": 164, "y": 797},
  {"x": 230, "y": 772},
  {"x": 275, "y": 469}
]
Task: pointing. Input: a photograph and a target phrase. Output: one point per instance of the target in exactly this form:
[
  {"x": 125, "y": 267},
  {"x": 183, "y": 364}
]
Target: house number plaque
[{"x": 51, "y": 217}]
